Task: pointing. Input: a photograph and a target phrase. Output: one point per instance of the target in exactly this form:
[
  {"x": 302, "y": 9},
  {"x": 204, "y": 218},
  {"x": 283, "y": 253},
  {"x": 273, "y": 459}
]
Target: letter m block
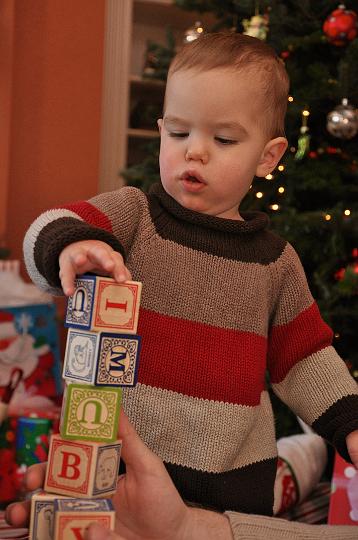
[
  {"x": 82, "y": 469},
  {"x": 102, "y": 304}
]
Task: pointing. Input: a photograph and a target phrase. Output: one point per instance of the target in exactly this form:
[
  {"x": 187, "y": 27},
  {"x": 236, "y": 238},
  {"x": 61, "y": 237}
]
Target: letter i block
[
  {"x": 82, "y": 470},
  {"x": 42, "y": 516},
  {"x": 101, "y": 359},
  {"x": 90, "y": 413},
  {"x": 99, "y": 303},
  {"x": 73, "y": 516}
]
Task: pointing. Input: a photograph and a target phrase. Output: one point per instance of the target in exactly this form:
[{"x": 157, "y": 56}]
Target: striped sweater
[{"x": 223, "y": 302}]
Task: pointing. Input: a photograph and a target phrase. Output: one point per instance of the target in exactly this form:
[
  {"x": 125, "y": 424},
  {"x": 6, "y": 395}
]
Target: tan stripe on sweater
[
  {"x": 300, "y": 385},
  {"x": 219, "y": 433}
]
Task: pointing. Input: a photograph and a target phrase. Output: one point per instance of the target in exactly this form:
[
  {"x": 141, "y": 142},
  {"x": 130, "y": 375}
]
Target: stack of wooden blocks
[{"x": 101, "y": 357}]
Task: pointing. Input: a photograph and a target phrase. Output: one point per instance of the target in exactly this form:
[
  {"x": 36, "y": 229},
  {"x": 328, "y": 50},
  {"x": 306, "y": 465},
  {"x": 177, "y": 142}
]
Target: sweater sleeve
[
  {"x": 110, "y": 217},
  {"x": 253, "y": 527},
  {"x": 305, "y": 370}
]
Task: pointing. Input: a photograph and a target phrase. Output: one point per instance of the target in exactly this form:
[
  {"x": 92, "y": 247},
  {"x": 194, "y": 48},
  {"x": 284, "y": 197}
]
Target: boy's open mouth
[{"x": 192, "y": 177}]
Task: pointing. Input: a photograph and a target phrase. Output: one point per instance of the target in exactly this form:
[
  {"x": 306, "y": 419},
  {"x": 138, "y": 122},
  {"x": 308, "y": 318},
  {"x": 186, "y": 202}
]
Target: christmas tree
[{"x": 312, "y": 197}]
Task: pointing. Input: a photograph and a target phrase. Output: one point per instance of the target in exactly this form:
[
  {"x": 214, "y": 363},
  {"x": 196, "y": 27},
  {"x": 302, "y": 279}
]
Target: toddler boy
[{"x": 224, "y": 298}]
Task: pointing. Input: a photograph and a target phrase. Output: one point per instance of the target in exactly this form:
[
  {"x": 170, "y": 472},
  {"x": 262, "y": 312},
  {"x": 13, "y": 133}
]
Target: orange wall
[{"x": 57, "y": 64}]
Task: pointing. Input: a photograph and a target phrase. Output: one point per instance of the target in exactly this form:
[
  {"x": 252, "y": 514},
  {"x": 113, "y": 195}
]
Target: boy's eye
[
  {"x": 178, "y": 134},
  {"x": 222, "y": 140}
]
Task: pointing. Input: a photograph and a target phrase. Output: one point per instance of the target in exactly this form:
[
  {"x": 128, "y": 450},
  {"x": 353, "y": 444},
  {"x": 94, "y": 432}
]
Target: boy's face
[{"x": 212, "y": 140}]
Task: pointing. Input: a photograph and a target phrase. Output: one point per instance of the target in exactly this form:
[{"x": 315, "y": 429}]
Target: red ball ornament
[{"x": 341, "y": 26}]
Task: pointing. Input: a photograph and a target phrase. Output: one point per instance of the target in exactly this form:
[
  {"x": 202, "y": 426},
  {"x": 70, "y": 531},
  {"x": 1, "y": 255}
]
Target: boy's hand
[
  {"x": 90, "y": 256},
  {"x": 352, "y": 446}
]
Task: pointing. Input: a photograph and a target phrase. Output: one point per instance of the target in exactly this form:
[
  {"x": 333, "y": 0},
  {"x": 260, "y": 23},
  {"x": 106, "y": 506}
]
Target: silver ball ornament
[{"x": 342, "y": 122}]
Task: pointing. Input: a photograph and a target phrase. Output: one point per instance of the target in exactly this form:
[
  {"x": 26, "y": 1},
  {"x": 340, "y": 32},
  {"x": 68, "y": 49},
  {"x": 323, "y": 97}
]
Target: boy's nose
[{"x": 197, "y": 154}]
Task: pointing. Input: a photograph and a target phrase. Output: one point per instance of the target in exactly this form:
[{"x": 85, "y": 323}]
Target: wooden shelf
[{"x": 142, "y": 133}]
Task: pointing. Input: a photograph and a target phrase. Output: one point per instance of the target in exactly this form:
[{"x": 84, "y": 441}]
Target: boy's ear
[
  {"x": 160, "y": 123},
  {"x": 271, "y": 155}
]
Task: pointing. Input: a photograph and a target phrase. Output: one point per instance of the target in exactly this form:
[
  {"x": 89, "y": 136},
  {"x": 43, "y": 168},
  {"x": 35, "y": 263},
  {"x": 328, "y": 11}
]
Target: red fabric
[
  {"x": 229, "y": 365},
  {"x": 292, "y": 342},
  {"x": 90, "y": 214}
]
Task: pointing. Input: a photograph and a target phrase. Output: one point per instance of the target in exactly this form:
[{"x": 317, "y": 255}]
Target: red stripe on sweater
[
  {"x": 90, "y": 214},
  {"x": 201, "y": 361},
  {"x": 292, "y": 342}
]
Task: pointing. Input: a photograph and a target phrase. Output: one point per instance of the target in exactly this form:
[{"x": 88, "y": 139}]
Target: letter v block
[
  {"x": 90, "y": 413},
  {"x": 73, "y": 516},
  {"x": 82, "y": 469},
  {"x": 99, "y": 303},
  {"x": 101, "y": 359}
]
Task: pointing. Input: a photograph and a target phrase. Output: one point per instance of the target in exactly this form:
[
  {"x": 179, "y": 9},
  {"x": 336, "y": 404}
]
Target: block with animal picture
[
  {"x": 73, "y": 516},
  {"x": 101, "y": 304},
  {"x": 42, "y": 515},
  {"x": 101, "y": 359},
  {"x": 90, "y": 413},
  {"x": 82, "y": 469}
]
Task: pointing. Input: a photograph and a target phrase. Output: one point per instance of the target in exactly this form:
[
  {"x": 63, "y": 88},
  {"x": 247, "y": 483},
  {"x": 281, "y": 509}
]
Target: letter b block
[
  {"x": 100, "y": 303},
  {"x": 90, "y": 413},
  {"x": 73, "y": 516},
  {"x": 82, "y": 469}
]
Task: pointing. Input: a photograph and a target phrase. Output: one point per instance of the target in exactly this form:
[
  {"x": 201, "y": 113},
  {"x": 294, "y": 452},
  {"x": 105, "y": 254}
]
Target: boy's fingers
[
  {"x": 67, "y": 277},
  {"x": 17, "y": 514}
]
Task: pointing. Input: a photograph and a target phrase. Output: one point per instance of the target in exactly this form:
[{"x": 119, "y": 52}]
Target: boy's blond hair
[{"x": 244, "y": 54}]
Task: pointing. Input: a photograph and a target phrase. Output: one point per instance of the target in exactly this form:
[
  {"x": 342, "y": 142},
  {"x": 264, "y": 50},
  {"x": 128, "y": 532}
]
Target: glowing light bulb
[
  {"x": 275, "y": 207},
  {"x": 269, "y": 176},
  {"x": 281, "y": 167},
  {"x": 328, "y": 217},
  {"x": 290, "y": 98},
  {"x": 347, "y": 212},
  {"x": 259, "y": 194},
  {"x": 281, "y": 189},
  {"x": 305, "y": 112}
]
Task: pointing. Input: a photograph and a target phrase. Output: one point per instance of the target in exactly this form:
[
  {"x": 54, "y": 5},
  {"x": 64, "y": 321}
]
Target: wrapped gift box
[{"x": 343, "y": 508}]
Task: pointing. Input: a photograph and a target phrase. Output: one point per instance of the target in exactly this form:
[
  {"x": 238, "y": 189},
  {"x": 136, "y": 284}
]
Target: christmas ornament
[
  {"x": 192, "y": 33},
  {"x": 348, "y": 277},
  {"x": 303, "y": 143},
  {"x": 342, "y": 122},
  {"x": 341, "y": 26},
  {"x": 257, "y": 26}
]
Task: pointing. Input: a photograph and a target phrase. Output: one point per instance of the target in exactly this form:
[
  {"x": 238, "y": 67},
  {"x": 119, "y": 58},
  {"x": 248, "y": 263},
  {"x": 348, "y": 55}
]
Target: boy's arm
[
  {"x": 305, "y": 370},
  {"x": 111, "y": 218}
]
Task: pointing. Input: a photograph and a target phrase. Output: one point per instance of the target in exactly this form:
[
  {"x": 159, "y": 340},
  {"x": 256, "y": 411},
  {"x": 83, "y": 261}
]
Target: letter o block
[
  {"x": 102, "y": 304},
  {"x": 82, "y": 469}
]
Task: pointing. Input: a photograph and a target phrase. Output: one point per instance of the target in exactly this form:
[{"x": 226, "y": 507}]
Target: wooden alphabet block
[
  {"x": 90, "y": 413},
  {"x": 82, "y": 469},
  {"x": 101, "y": 359},
  {"x": 73, "y": 516},
  {"x": 42, "y": 516},
  {"x": 99, "y": 303}
]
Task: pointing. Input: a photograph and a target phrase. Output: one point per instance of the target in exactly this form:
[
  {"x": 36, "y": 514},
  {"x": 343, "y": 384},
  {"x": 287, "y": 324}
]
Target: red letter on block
[
  {"x": 66, "y": 465},
  {"x": 77, "y": 533}
]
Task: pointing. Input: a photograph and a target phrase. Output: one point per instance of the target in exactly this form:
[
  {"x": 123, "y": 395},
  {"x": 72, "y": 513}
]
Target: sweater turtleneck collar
[{"x": 252, "y": 221}]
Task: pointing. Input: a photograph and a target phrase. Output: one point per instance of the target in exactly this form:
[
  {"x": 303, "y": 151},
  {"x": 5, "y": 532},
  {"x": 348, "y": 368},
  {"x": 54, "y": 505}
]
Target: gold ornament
[{"x": 257, "y": 26}]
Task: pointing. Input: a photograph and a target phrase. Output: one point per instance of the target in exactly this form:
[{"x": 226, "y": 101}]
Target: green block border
[{"x": 66, "y": 413}]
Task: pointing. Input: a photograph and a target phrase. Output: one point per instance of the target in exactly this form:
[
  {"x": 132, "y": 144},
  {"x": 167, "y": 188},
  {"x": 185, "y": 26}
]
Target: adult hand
[
  {"x": 147, "y": 504},
  {"x": 352, "y": 446},
  {"x": 90, "y": 256}
]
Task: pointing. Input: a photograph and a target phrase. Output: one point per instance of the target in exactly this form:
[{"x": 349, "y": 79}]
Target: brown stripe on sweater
[
  {"x": 299, "y": 387},
  {"x": 225, "y": 437},
  {"x": 58, "y": 234},
  {"x": 243, "y": 490},
  {"x": 337, "y": 422},
  {"x": 246, "y": 241}
]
